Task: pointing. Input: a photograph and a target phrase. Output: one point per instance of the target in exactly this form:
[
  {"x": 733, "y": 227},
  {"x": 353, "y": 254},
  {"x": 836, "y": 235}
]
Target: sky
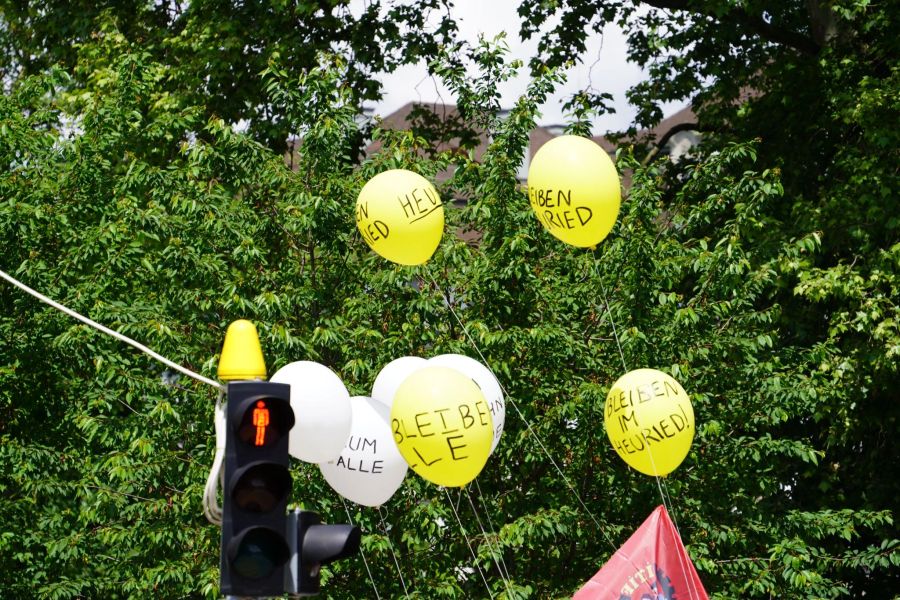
[{"x": 604, "y": 66}]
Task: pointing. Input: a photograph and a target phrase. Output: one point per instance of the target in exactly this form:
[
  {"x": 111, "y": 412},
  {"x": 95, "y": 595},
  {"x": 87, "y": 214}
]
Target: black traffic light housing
[
  {"x": 257, "y": 486},
  {"x": 315, "y": 545}
]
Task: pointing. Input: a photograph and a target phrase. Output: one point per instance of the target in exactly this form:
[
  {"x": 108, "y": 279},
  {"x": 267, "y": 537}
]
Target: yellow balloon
[
  {"x": 442, "y": 425},
  {"x": 573, "y": 188},
  {"x": 650, "y": 421},
  {"x": 400, "y": 215}
]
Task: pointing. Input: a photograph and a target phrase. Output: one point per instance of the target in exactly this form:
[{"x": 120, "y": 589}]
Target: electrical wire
[
  {"x": 211, "y": 509},
  {"x": 108, "y": 331}
]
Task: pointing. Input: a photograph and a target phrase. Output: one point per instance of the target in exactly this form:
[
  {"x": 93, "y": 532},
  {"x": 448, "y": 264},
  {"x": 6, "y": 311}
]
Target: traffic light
[
  {"x": 314, "y": 545},
  {"x": 257, "y": 485}
]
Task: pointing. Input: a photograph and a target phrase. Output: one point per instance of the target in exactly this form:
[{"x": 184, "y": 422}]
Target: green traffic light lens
[{"x": 257, "y": 553}]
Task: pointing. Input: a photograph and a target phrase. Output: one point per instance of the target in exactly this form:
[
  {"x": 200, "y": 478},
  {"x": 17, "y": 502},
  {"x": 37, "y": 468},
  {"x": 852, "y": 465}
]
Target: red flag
[{"x": 651, "y": 565}]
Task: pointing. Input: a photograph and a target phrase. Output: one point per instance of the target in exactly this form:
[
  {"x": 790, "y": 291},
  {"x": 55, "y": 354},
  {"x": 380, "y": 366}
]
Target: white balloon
[
  {"x": 370, "y": 468},
  {"x": 486, "y": 380},
  {"x": 322, "y": 410},
  {"x": 392, "y": 375}
]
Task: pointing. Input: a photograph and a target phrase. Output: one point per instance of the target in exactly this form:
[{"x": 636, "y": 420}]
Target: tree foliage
[
  {"x": 768, "y": 288},
  {"x": 215, "y": 50}
]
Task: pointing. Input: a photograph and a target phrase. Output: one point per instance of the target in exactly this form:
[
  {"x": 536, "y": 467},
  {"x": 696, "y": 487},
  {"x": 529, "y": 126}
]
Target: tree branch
[
  {"x": 665, "y": 140},
  {"x": 821, "y": 21},
  {"x": 755, "y": 23}
]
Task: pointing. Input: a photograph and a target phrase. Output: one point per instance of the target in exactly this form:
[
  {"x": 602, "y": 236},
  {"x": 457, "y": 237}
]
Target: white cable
[
  {"x": 211, "y": 509},
  {"x": 108, "y": 331}
]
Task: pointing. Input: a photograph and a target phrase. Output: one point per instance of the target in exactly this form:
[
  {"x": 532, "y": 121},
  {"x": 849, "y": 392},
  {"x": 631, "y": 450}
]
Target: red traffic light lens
[{"x": 265, "y": 421}]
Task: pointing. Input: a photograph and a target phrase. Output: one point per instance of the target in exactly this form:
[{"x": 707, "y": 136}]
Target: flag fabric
[{"x": 651, "y": 565}]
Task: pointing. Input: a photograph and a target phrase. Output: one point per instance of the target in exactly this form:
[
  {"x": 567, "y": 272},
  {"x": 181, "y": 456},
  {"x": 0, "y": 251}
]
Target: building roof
[
  {"x": 407, "y": 117},
  {"x": 445, "y": 119}
]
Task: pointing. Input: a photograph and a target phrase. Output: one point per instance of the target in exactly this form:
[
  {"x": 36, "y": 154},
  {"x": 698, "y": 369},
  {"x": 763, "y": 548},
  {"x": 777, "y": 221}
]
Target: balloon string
[
  {"x": 660, "y": 482},
  {"x": 671, "y": 505},
  {"x": 663, "y": 496},
  {"x": 391, "y": 547},
  {"x": 494, "y": 554},
  {"x": 469, "y": 544},
  {"x": 537, "y": 438},
  {"x": 361, "y": 553},
  {"x": 521, "y": 415},
  {"x": 612, "y": 322},
  {"x": 487, "y": 515}
]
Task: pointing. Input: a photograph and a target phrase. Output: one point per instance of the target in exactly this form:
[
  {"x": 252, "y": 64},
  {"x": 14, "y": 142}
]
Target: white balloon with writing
[
  {"x": 392, "y": 375},
  {"x": 370, "y": 468},
  {"x": 486, "y": 380},
  {"x": 322, "y": 410}
]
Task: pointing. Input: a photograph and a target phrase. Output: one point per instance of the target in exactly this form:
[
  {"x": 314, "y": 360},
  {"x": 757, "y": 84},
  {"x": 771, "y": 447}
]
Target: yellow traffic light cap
[{"x": 242, "y": 356}]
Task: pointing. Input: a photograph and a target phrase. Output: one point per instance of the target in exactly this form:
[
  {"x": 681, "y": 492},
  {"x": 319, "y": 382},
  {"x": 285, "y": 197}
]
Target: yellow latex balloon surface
[
  {"x": 650, "y": 421},
  {"x": 573, "y": 188},
  {"x": 400, "y": 215},
  {"x": 442, "y": 425}
]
